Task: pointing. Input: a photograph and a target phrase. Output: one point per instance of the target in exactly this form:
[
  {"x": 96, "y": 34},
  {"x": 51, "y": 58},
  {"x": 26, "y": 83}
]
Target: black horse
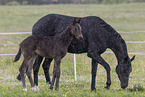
[{"x": 98, "y": 36}]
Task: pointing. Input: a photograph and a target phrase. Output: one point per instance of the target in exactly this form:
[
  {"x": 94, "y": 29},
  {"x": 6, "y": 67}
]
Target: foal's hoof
[
  {"x": 35, "y": 88},
  {"x": 49, "y": 84},
  {"x": 51, "y": 88},
  {"x": 24, "y": 89},
  {"x": 56, "y": 88}
]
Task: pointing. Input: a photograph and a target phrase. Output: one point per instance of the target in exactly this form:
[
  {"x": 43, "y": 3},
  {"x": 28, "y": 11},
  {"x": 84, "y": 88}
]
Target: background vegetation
[
  {"x": 122, "y": 17},
  {"x": 39, "y": 2}
]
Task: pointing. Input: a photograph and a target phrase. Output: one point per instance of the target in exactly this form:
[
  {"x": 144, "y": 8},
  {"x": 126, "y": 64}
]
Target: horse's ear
[
  {"x": 132, "y": 58},
  {"x": 74, "y": 21},
  {"x": 79, "y": 20}
]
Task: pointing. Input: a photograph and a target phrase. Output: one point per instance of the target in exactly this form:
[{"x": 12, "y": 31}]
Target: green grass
[{"x": 123, "y": 17}]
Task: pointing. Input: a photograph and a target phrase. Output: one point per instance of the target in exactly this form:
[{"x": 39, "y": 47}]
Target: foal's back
[{"x": 41, "y": 45}]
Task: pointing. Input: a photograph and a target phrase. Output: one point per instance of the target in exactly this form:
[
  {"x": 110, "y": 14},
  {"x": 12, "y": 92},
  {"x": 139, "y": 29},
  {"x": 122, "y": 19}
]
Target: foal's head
[
  {"x": 76, "y": 29},
  {"x": 123, "y": 70}
]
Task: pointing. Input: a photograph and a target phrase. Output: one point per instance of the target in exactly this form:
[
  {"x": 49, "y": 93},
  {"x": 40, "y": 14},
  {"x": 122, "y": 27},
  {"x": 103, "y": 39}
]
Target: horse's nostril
[{"x": 124, "y": 86}]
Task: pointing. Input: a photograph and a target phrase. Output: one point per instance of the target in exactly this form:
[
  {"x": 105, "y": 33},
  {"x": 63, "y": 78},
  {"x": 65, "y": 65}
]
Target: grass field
[{"x": 123, "y": 17}]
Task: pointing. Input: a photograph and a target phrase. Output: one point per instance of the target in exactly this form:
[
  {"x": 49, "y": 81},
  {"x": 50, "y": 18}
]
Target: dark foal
[{"x": 47, "y": 46}]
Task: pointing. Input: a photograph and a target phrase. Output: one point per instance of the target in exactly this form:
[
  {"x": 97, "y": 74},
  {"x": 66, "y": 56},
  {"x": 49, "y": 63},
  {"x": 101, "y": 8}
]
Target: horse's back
[
  {"x": 53, "y": 24},
  {"x": 94, "y": 29}
]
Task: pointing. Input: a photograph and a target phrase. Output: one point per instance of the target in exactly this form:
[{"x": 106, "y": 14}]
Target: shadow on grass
[{"x": 136, "y": 87}]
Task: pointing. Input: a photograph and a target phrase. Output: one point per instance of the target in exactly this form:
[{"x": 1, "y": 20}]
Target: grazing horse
[
  {"x": 47, "y": 46},
  {"x": 97, "y": 37}
]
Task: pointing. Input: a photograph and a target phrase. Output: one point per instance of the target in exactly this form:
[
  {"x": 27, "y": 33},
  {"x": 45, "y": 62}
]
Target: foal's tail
[{"x": 18, "y": 55}]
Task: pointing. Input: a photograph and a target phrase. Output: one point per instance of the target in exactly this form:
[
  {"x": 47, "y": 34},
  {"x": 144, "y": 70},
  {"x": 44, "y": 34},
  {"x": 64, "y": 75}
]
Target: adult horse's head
[
  {"x": 123, "y": 70},
  {"x": 76, "y": 29}
]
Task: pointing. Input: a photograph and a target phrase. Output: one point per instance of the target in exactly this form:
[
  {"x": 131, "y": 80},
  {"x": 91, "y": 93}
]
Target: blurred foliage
[
  {"x": 39, "y": 2},
  {"x": 12, "y": 3}
]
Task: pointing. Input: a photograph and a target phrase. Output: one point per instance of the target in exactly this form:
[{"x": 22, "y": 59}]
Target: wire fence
[{"x": 134, "y": 42}]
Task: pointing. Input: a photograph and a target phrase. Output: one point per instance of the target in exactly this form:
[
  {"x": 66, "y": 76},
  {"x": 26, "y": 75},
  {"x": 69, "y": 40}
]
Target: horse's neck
[
  {"x": 66, "y": 35},
  {"x": 120, "y": 49}
]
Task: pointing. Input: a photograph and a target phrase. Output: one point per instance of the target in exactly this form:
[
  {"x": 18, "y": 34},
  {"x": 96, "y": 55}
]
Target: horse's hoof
[
  {"x": 36, "y": 88},
  {"x": 94, "y": 89},
  {"x": 19, "y": 77},
  {"x": 107, "y": 87},
  {"x": 24, "y": 89},
  {"x": 56, "y": 88}
]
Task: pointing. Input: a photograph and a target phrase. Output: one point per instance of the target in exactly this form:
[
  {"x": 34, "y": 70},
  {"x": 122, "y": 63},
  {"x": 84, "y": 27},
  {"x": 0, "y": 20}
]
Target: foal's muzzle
[{"x": 80, "y": 37}]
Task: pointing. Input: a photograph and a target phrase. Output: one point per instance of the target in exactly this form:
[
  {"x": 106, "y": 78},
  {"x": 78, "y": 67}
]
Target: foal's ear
[
  {"x": 79, "y": 20},
  {"x": 74, "y": 21},
  {"x": 132, "y": 58}
]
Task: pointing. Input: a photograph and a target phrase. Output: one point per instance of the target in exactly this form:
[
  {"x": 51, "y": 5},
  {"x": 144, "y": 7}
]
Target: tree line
[{"x": 39, "y": 2}]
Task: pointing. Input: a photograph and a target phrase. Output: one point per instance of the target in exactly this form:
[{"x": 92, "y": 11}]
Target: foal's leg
[
  {"x": 30, "y": 65},
  {"x": 36, "y": 68},
  {"x": 46, "y": 66},
  {"x": 56, "y": 73},
  {"x": 53, "y": 78},
  {"x": 22, "y": 70},
  {"x": 94, "y": 71},
  {"x": 101, "y": 61}
]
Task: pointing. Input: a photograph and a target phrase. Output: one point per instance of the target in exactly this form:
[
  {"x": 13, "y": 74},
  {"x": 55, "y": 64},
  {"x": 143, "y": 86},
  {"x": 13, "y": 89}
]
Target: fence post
[{"x": 75, "y": 67}]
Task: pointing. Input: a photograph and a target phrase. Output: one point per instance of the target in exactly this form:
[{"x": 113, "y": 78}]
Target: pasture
[{"x": 122, "y": 17}]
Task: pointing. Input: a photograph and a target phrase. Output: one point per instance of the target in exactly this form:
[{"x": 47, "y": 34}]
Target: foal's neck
[{"x": 66, "y": 35}]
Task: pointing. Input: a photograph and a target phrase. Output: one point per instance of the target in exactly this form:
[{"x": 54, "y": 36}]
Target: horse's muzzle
[{"x": 124, "y": 86}]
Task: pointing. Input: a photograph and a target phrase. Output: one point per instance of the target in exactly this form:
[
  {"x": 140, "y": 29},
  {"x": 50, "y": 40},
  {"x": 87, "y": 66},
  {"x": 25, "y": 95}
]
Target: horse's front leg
[
  {"x": 56, "y": 73},
  {"x": 101, "y": 61},
  {"x": 94, "y": 71},
  {"x": 46, "y": 65}
]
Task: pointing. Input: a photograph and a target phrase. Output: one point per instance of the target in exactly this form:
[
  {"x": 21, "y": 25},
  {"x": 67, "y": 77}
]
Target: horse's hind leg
[
  {"x": 36, "y": 68},
  {"x": 30, "y": 66}
]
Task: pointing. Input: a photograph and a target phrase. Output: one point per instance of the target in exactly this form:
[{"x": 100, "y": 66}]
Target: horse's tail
[{"x": 18, "y": 55}]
